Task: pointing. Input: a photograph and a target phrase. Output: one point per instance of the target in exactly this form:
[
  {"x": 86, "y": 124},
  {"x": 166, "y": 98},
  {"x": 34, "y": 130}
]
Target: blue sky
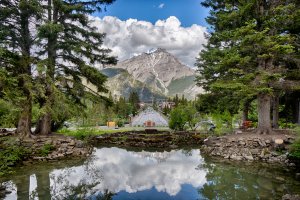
[
  {"x": 136, "y": 26},
  {"x": 187, "y": 11}
]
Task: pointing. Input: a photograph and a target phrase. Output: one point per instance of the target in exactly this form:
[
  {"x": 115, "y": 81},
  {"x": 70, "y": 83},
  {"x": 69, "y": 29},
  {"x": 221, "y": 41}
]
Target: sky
[
  {"x": 189, "y": 12},
  {"x": 137, "y": 26}
]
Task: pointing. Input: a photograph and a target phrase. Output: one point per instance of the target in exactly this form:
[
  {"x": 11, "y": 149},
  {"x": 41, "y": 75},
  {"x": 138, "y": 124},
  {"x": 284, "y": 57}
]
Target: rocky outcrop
[
  {"x": 249, "y": 149},
  {"x": 291, "y": 197},
  {"x": 145, "y": 140},
  {"x": 44, "y": 148}
]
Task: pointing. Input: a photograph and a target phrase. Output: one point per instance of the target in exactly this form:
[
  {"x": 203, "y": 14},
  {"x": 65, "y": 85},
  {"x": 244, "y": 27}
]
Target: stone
[
  {"x": 292, "y": 164},
  {"x": 242, "y": 143},
  {"x": 278, "y": 141},
  {"x": 249, "y": 157},
  {"x": 255, "y": 151},
  {"x": 235, "y": 157},
  {"x": 79, "y": 144},
  {"x": 60, "y": 155},
  {"x": 262, "y": 143},
  {"x": 280, "y": 178},
  {"x": 297, "y": 175},
  {"x": 72, "y": 143},
  {"x": 290, "y": 197}
]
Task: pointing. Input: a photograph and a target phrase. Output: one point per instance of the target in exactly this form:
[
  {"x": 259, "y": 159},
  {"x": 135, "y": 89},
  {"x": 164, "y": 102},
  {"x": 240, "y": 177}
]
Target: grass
[{"x": 84, "y": 133}]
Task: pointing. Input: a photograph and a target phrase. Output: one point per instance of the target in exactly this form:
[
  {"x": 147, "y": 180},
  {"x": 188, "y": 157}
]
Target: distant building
[
  {"x": 167, "y": 104},
  {"x": 149, "y": 118}
]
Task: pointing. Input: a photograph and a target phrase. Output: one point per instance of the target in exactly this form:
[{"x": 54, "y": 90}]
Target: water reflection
[
  {"x": 225, "y": 180},
  {"x": 113, "y": 170},
  {"x": 118, "y": 170},
  {"x": 113, "y": 173}
]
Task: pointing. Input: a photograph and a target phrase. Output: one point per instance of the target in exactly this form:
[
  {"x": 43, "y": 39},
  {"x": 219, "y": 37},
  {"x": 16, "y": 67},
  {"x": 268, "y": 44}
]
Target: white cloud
[
  {"x": 120, "y": 170},
  {"x": 161, "y": 5},
  {"x": 131, "y": 37}
]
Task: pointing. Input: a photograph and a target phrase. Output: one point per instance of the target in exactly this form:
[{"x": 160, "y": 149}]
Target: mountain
[
  {"x": 156, "y": 73},
  {"x": 121, "y": 83}
]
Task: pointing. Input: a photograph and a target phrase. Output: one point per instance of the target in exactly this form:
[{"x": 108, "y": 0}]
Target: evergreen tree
[
  {"x": 248, "y": 49},
  {"x": 17, "y": 20},
  {"x": 71, "y": 46},
  {"x": 134, "y": 101}
]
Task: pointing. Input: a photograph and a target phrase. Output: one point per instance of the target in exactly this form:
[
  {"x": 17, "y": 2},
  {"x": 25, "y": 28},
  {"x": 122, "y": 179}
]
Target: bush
[
  {"x": 183, "y": 117},
  {"x": 295, "y": 147},
  {"x": 46, "y": 149},
  {"x": 223, "y": 122},
  {"x": 10, "y": 157}
]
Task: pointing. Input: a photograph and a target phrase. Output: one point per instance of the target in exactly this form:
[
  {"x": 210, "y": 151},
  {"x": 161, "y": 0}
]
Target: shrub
[
  {"x": 223, "y": 122},
  {"x": 46, "y": 149},
  {"x": 10, "y": 157},
  {"x": 177, "y": 119},
  {"x": 183, "y": 117},
  {"x": 295, "y": 147}
]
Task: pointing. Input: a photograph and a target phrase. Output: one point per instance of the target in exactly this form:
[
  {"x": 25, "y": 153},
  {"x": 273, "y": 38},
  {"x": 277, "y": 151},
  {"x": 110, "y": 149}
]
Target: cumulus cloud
[
  {"x": 161, "y": 5},
  {"x": 131, "y": 37},
  {"x": 120, "y": 170}
]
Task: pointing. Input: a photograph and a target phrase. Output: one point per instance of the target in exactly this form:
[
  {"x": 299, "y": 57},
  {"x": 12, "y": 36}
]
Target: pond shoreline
[
  {"x": 142, "y": 139},
  {"x": 249, "y": 147},
  {"x": 243, "y": 147}
]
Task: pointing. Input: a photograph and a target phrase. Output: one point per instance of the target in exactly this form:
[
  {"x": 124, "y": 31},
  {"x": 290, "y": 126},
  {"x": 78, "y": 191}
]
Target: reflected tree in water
[{"x": 226, "y": 181}]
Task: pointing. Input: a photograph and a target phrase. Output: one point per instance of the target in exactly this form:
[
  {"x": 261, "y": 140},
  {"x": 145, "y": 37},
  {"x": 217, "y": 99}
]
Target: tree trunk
[
  {"x": 44, "y": 125},
  {"x": 25, "y": 78},
  {"x": 264, "y": 117},
  {"x": 23, "y": 187},
  {"x": 24, "y": 123},
  {"x": 245, "y": 111},
  {"x": 43, "y": 185},
  {"x": 298, "y": 120},
  {"x": 275, "y": 111}
]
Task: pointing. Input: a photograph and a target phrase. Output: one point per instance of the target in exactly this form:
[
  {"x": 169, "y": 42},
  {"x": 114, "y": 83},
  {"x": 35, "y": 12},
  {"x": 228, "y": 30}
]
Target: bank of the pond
[
  {"x": 15, "y": 151},
  {"x": 241, "y": 147},
  {"x": 273, "y": 148},
  {"x": 148, "y": 139}
]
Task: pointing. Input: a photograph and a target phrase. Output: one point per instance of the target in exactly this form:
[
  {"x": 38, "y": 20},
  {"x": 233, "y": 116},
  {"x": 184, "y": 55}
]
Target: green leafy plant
[
  {"x": 80, "y": 134},
  {"x": 295, "y": 147},
  {"x": 46, "y": 149},
  {"x": 10, "y": 157}
]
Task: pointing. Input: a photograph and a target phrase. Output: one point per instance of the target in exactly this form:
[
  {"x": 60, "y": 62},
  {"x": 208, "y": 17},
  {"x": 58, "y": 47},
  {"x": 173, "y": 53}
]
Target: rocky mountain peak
[{"x": 160, "y": 70}]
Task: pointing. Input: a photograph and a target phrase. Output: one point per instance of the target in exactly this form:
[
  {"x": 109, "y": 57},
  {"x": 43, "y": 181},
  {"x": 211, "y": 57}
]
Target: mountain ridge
[{"x": 161, "y": 73}]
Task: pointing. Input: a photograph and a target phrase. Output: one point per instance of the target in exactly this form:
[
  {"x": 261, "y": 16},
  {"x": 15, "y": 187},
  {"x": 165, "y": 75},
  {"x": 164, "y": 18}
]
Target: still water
[{"x": 114, "y": 173}]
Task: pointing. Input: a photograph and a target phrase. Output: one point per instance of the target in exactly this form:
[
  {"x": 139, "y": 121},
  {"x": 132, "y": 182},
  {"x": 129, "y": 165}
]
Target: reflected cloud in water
[
  {"x": 113, "y": 173},
  {"x": 116, "y": 170}
]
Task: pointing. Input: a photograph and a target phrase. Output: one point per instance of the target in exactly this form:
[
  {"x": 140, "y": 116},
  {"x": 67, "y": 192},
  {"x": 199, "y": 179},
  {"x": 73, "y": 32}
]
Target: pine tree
[
  {"x": 248, "y": 50},
  {"x": 134, "y": 101},
  {"x": 71, "y": 47},
  {"x": 17, "y": 19}
]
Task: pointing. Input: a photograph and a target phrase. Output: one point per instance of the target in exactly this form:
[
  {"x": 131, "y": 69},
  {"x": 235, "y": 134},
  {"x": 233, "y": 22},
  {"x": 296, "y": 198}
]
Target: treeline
[
  {"x": 252, "y": 60},
  {"x": 120, "y": 111},
  {"x": 48, "y": 49}
]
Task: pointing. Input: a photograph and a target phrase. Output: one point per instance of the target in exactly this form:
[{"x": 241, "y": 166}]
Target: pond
[{"x": 114, "y": 173}]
